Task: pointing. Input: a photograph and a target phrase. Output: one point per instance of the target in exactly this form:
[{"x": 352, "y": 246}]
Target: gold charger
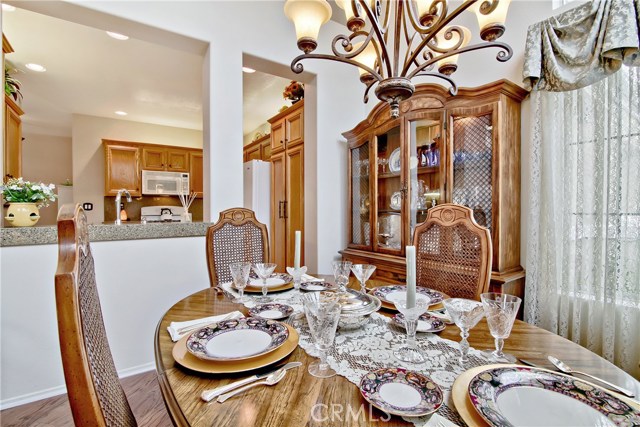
[
  {"x": 258, "y": 289},
  {"x": 388, "y": 306},
  {"x": 182, "y": 356}
]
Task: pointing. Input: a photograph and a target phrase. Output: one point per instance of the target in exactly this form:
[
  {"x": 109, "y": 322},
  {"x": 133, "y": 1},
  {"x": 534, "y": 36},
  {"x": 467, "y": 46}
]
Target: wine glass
[
  {"x": 466, "y": 314},
  {"x": 341, "y": 272},
  {"x": 323, "y": 314},
  {"x": 240, "y": 274},
  {"x": 501, "y": 310},
  {"x": 410, "y": 352},
  {"x": 264, "y": 271},
  {"x": 362, "y": 273}
]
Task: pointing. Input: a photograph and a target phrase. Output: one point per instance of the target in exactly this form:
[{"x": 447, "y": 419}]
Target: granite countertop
[{"x": 47, "y": 235}]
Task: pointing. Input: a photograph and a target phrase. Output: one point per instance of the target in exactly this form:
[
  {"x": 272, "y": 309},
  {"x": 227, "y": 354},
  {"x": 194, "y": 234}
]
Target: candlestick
[
  {"x": 411, "y": 276},
  {"x": 296, "y": 259}
]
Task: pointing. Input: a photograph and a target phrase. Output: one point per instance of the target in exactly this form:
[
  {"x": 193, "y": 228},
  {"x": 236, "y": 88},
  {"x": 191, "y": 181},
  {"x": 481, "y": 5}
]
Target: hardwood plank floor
[{"x": 142, "y": 391}]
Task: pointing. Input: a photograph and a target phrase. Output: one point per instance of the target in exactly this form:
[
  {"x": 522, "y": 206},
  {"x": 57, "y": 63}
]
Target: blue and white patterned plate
[
  {"x": 316, "y": 286},
  {"x": 272, "y": 310}
]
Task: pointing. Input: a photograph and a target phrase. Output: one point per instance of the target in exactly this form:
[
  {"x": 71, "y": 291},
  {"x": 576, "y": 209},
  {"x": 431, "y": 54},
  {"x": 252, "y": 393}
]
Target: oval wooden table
[{"x": 303, "y": 400}]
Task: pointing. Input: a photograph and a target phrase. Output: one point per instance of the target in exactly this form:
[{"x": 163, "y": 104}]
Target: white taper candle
[
  {"x": 296, "y": 258},
  {"x": 411, "y": 276}
]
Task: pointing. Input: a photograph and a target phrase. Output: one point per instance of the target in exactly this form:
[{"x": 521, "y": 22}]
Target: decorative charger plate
[
  {"x": 394, "y": 160},
  {"x": 426, "y": 323},
  {"x": 271, "y": 310},
  {"x": 401, "y": 392},
  {"x": 182, "y": 356},
  {"x": 318, "y": 286},
  {"x": 275, "y": 283},
  {"x": 392, "y": 293},
  {"x": 518, "y": 395},
  {"x": 237, "y": 339}
]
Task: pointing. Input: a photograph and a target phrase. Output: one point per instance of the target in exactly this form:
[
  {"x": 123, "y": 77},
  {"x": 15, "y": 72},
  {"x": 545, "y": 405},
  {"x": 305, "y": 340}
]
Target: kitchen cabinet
[
  {"x": 122, "y": 168},
  {"x": 12, "y": 149},
  {"x": 157, "y": 158},
  {"x": 260, "y": 149},
  {"x": 287, "y": 185},
  {"x": 462, "y": 149},
  {"x": 196, "y": 172}
]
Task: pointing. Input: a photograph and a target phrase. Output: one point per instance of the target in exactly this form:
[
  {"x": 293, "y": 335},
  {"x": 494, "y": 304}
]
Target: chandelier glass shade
[{"x": 393, "y": 41}]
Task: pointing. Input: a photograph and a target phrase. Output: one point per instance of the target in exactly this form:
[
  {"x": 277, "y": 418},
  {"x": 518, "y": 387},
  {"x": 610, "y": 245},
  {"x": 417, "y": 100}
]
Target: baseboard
[{"x": 56, "y": 391}]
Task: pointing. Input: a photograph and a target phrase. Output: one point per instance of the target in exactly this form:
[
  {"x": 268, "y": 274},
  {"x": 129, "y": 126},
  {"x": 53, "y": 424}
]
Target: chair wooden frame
[
  {"x": 449, "y": 215},
  {"x": 82, "y": 390},
  {"x": 236, "y": 217}
]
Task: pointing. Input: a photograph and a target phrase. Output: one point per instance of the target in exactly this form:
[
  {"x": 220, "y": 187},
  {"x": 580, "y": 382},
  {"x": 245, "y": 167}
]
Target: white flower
[{"x": 36, "y": 187}]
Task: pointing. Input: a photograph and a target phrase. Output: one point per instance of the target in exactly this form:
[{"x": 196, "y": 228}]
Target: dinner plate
[
  {"x": 401, "y": 392},
  {"x": 317, "y": 286},
  {"x": 237, "y": 339},
  {"x": 182, "y": 356},
  {"x": 274, "y": 281},
  {"x": 426, "y": 323},
  {"x": 518, "y": 395},
  {"x": 394, "y": 160},
  {"x": 392, "y": 293},
  {"x": 271, "y": 310}
]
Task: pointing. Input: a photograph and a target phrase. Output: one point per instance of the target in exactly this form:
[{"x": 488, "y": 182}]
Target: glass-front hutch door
[
  {"x": 389, "y": 191},
  {"x": 360, "y": 195}
]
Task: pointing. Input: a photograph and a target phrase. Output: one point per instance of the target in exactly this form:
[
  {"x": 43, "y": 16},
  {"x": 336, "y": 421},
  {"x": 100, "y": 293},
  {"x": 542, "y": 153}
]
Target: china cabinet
[{"x": 462, "y": 149}]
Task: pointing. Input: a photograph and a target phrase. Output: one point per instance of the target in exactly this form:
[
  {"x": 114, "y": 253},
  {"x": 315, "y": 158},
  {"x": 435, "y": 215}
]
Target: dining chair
[
  {"x": 95, "y": 393},
  {"x": 237, "y": 236},
  {"x": 453, "y": 252}
]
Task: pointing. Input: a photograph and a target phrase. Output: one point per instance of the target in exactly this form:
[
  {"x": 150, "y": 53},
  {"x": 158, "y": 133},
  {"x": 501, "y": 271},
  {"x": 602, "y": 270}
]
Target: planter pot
[{"x": 22, "y": 214}]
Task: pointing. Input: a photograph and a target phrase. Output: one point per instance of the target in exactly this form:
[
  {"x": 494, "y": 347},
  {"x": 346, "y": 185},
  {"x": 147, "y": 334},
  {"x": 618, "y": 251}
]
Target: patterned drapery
[{"x": 583, "y": 45}]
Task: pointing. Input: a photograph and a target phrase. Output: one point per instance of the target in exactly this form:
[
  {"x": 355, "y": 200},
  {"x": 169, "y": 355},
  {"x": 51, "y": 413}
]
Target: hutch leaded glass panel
[{"x": 360, "y": 203}]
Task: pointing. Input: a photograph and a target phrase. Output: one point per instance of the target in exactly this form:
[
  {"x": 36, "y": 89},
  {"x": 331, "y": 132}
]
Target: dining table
[{"x": 303, "y": 400}]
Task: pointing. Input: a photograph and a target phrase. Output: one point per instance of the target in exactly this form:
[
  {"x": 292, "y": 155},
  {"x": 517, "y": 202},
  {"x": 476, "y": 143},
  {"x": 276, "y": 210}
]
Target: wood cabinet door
[
  {"x": 278, "y": 220},
  {"x": 12, "y": 143},
  {"x": 294, "y": 127},
  {"x": 178, "y": 160},
  {"x": 294, "y": 205},
  {"x": 277, "y": 136},
  {"x": 122, "y": 170},
  {"x": 153, "y": 158},
  {"x": 266, "y": 150},
  {"x": 253, "y": 153},
  {"x": 196, "y": 172}
]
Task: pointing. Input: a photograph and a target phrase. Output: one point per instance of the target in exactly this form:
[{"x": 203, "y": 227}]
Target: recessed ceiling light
[
  {"x": 8, "y": 7},
  {"x": 117, "y": 36},
  {"x": 35, "y": 67},
  {"x": 248, "y": 70},
  {"x": 121, "y": 113}
]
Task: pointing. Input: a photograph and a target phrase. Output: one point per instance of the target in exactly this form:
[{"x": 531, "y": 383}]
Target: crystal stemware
[
  {"x": 240, "y": 274},
  {"x": 341, "y": 272},
  {"x": 466, "y": 314},
  {"x": 501, "y": 310},
  {"x": 362, "y": 273},
  {"x": 410, "y": 352},
  {"x": 264, "y": 271},
  {"x": 323, "y": 314}
]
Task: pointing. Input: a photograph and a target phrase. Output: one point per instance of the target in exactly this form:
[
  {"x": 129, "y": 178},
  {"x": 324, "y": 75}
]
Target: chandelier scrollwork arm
[{"x": 297, "y": 67}]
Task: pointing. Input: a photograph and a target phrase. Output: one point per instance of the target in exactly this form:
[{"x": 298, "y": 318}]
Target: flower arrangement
[
  {"x": 17, "y": 190},
  {"x": 294, "y": 92}
]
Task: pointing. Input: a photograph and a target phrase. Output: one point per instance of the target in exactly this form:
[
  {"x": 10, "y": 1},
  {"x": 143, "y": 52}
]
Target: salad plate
[
  {"x": 401, "y": 392},
  {"x": 274, "y": 281},
  {"x": 237, "y": 339},
  {"x": 392, "y": 293},
  {"x": 426, "y": 322},
  {"x": 316, "y": 286},
  {"x": 271, "y": 310}
]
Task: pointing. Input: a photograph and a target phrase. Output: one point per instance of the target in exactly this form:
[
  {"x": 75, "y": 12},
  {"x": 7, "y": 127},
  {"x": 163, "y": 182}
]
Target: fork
[{"x": 272, "y": 379}]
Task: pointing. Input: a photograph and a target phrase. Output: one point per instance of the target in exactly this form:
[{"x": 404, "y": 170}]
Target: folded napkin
[
  {"x": 175, "y": 327},
  {"x": 309, "y": 278},
  {"x": 439, "y": 421}
]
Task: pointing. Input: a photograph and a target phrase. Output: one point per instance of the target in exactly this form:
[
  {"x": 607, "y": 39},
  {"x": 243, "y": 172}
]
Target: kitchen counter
[{"x": 47, "y": 235}]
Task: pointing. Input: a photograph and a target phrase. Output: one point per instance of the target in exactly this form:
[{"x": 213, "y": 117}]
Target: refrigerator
[{"x": 257, "y": 190}]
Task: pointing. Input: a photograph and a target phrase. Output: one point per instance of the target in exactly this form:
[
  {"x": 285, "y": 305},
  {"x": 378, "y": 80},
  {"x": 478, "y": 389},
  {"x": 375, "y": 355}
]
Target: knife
[{"x": 209, "y": 395}]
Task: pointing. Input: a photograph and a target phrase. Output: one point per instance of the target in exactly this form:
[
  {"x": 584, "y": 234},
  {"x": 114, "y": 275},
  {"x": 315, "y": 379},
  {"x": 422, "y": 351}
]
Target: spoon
[
  {"x": 567, "y": 370},
  {"x": 270, "y": 380}
]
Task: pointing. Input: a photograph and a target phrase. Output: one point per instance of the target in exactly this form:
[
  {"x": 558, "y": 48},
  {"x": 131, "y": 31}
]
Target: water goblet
[
  {"x": 264, "y": 271},
  {"x": 410, "y": 352},
  {"x": 240, "y": 274},
  {"x": 362, "y": 273},
  {"x": 323, "y": 314},
  {"x": 296, "y": 274},
  {"x": 341, "y": 272},
  {"x": 501, "y": 310},
  {"x": 466, "y": 314}
]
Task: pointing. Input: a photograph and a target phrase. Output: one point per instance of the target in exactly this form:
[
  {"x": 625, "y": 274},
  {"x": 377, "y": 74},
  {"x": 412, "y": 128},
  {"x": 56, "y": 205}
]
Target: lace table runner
[{"x": 359, "y": 351}]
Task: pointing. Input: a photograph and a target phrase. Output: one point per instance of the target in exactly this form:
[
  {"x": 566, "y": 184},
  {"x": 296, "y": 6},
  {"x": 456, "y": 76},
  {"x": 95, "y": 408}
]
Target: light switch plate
[{"x": 87, "y": 206}]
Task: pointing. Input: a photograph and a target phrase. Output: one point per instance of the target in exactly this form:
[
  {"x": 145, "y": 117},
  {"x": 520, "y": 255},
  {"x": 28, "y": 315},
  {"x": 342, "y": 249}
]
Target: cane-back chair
[
  {"x": 95, "y": 393},
  {"x": 237, "y": 236},
  {"x": 453, "y": 252}
]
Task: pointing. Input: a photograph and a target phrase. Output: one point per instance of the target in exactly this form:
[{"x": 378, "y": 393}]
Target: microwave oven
[{"x": 165, "y": 183}]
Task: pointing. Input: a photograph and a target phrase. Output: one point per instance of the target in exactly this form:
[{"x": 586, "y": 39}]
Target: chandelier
[{"x": 393, "y": 41}]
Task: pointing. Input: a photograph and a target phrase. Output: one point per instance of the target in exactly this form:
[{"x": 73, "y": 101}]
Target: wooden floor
[{"x": 142, "y": 391}]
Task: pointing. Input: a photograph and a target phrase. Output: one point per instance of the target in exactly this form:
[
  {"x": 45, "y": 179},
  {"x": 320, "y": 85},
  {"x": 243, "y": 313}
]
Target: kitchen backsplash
[{"x": 133, "y": 207}]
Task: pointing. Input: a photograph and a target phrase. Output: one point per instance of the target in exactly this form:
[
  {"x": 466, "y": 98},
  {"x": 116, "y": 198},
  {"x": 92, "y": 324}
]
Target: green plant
[
  {"x": 17, "y": 190},
  {"x": 11, "y": 85}
]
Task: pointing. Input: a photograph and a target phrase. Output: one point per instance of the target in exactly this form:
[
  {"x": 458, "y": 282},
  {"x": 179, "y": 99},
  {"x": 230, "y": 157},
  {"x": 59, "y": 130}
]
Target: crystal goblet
[
  {"x": 240, "y": 274},
  {"x": 341, "y": 272},
  {"x": 264, "y": 271},
  {"x": 466, "y": 314},
  {"x": 501, "y": 310},
  {"x": 410, "y": 352},
  {"x": 362, "y": 273},
  {"x": 323, "y": 314}
]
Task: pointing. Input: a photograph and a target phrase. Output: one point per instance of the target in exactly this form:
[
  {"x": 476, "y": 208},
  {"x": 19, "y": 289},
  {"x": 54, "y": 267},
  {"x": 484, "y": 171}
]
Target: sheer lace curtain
[{"x": 583, "y": 257}]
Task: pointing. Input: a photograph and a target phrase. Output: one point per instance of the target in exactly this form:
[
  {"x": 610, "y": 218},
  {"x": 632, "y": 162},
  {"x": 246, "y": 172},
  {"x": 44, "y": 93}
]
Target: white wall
[
  {"x": 88, "y": 152},
  {"x": 138, "y": 281}
]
